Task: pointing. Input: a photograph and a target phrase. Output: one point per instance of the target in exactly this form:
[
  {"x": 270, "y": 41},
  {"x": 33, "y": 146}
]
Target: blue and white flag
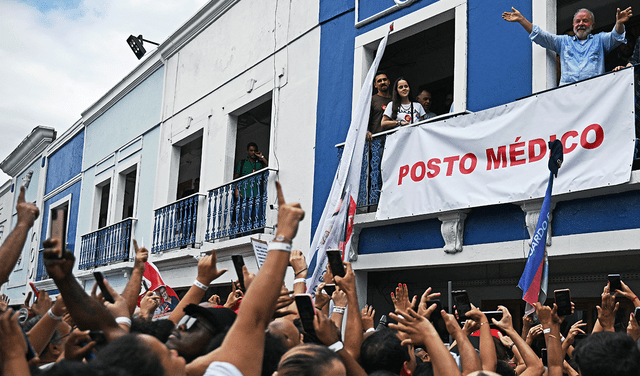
[{"x": 335, "y": 227}]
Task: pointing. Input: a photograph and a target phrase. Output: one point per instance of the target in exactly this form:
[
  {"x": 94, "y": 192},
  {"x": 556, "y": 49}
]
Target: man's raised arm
[
  {"x": 12, "y": 246},
  {"x": 243, "y": 347},
  {"x": 516, "y": 16},
  {"x": 622, "y": 16},
  {"x": 85, "y": 311}
]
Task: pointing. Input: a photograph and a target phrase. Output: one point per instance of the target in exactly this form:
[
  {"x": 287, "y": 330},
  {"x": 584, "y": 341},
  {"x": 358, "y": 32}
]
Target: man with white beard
[{"x": 581, "y": 55}]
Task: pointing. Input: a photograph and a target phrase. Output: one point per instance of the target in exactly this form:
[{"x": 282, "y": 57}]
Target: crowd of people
[{"x": 259, "y": 330}]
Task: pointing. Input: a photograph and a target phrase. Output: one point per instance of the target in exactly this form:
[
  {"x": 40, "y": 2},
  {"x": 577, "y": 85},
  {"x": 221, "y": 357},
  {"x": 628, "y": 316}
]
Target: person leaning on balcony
[
  {"x": 379, "y": 102},
  {"x": 401, "y": 110},
  {"x": 582, "y": 55}
]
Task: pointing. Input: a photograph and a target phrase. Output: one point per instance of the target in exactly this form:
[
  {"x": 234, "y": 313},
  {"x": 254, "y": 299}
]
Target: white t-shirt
[
  {"x": 404, "y": 112},
  {"x": 222, "y": 369}
]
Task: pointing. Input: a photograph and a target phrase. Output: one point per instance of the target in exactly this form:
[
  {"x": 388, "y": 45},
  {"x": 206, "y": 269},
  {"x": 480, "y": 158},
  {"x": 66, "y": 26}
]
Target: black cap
[
  {"x": 220, "y": 318},
  {"x": 557, "y": 157}
]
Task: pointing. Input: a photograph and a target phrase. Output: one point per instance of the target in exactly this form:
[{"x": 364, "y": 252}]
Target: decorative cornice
[
  {"x": 122, "y": 88},
  {"x": 34, "y": 144},
  {"x": 194, "y": 26}
]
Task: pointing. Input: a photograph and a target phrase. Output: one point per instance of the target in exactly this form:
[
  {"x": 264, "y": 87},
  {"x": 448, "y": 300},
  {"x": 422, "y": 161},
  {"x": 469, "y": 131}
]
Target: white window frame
[
  {"x": 120, "y": 180},
  {"x": 56, "y": 205},
  {"x": 97, "y": 194},
  {"x": 413, "y": 23}
]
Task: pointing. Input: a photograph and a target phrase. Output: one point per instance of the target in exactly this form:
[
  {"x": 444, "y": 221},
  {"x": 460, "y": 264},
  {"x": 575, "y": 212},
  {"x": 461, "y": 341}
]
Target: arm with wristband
[
  {"x": 207, "y": 272},
  {"x": 259, "y": 302}
]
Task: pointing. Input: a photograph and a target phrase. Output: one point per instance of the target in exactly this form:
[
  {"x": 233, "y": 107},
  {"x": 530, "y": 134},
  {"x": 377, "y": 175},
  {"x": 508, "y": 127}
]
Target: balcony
[
  {"x": 106, "y": 245},
  {"x": 41, "y": 272},
  {"x": 175, "y": 225},
  {"x": 371, "y": 177},
  {"x": 238, "y": 208}
]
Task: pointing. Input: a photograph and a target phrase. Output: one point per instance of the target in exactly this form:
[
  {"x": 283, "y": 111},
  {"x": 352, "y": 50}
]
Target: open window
[
  {"x": 189, "y": 168},
  {"x": 426, "y": 61},
  {"x": 126, "y": 193},
  {"x": 102, "y": 195},
  {"x": 60, "y": 210},
  {"x": 254, "y": 126}
]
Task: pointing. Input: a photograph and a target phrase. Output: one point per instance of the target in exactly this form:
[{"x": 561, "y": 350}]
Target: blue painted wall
[
  {"x": 137, "y": 112},
  {"x": 337, "y": 40},
  {"x": 401, "y": 237},
  {"x": 74, "y": 190},
  {"x": 493, "y": 224},
  {"x": 65, "y": 163},
  {"x": 604, "y": 213},
  {"x": 499, "y": 71},
  {"x": 499, "y": 54}
]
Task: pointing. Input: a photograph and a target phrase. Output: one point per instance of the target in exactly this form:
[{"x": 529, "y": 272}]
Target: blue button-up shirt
[{"x": 579, "y": 59}]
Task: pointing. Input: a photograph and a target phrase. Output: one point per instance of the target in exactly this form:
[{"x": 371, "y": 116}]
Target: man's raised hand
[
  {"x": 289, "y": 215},
  {"x": 208, "y": 270},
  {"x": 58, "y": 263},
  {"x": 514, "y": 16},
  {"x": 142, "y": 255},
  {"x": 27, "y": 211},
  {"x": 401, "y": 300},
  {"x": 427, "y": 296},
  {"x": 623, "y": 16}
]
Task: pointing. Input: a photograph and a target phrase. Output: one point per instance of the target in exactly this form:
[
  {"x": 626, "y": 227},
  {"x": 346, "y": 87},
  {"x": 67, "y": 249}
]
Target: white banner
[{"x": 500, "y": 155}]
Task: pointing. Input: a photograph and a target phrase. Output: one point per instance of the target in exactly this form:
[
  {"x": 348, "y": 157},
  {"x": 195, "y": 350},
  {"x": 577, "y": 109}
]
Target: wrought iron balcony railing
[
  {"x": 41, "y": 271},
  {"x": 106, "y": 245},
  {"x": 175, "y": 225},
  {"x": 238, "y": 208}
]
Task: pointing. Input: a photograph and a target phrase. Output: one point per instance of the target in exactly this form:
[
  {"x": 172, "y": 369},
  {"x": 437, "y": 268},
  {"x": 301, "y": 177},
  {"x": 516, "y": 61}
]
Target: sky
[{"x": 58, "y": 57}]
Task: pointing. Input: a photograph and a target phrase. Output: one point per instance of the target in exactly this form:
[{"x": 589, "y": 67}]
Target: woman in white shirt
[{"x": 401, "y": 110}]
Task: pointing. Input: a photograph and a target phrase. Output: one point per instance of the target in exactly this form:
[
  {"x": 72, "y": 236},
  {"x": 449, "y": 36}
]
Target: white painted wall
[{"x": 206, "y": 80}]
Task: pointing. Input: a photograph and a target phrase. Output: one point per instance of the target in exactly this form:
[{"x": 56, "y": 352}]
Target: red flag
[{"x": 168, "y": 298}]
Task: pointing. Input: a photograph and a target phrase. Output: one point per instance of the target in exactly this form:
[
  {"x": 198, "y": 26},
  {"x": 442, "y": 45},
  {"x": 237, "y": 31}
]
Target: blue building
[{"x": 463, "y": 48}]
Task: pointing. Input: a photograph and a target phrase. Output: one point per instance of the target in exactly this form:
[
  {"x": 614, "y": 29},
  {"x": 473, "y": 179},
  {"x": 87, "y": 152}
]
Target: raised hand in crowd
[
  {"x": 207, "y": 272},
  {"x": 214, "y": 300},
  {"x": 606, "y": 312},
  {"x": 367, "y": 315},
  {"x": 148, "y": 305},
  {"x": 329, "y": 334},
  {"x": 576, "y": 328},
  {"x": 426, "y": 297},
  {"x": 533, "y": 364},
  {"x": 340, "y": 303},
  {"x": 233, "y": 299},
  {"x": 285, "y": 305},
  {"x": 353, "y": 330},
  {"x": 422, "y": 332},
  {"x": 86, "y": 312},
  {"x": 42, "y": 304},
  {"x": 401, "y": 300},
  {"x": 469, "y": 359},
  {"x": 78, "y": 345},
  {"x": 527, "y": 324},
  {"x": 11, "y": 249},
  {"x": 299, "y": 265},
  {"x": 132, "y": 289},
  {"x": 487, "y": 347},
  {"x": 13, "y": 346},
  {"x": 248, "y": 277},
  {"x": 534, "y": 332},
  {"x": 633, "y": 328},
  {"x": 42, "y": 332},
  {"x": 4, "y": 303},
  {"x": 627, "y": 293},
  {"x": 258, "y": 304},
  {"x": 551, "y": 328}
]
